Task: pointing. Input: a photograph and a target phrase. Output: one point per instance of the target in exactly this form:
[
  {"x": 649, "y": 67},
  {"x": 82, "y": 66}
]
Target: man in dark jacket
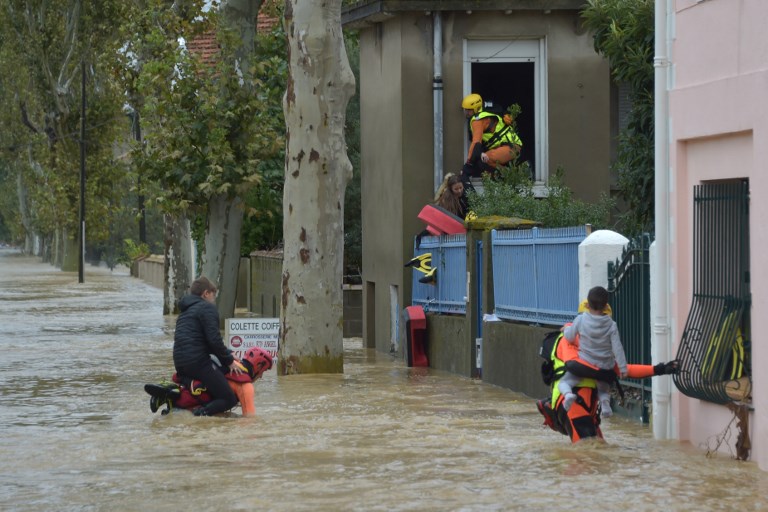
[{"x": 197, "y": 336}]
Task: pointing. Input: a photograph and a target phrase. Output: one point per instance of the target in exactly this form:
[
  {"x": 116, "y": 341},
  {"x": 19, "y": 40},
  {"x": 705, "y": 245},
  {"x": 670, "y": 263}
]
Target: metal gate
[
  {"x": 629, "y": 287},
  {"x": 715, "y": 347}
]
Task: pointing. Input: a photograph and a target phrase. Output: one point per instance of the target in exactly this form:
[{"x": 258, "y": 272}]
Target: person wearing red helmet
[
  {"x": 196, "y": 338},
  {"x": 193, "y": 395},
  {"x": 256, "y": 361}
]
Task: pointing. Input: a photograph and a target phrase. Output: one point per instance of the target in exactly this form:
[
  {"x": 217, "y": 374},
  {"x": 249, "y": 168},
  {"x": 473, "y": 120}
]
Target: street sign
[{"x": 244, "y": 333}]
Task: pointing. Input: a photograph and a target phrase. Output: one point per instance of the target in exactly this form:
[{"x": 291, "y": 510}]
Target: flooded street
[{"x": 78, "y": 435}]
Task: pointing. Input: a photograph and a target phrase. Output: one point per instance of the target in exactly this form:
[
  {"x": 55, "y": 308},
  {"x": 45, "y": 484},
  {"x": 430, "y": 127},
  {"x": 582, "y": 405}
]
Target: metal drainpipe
[
  {"x": 437, "y": 97},
  {"x": 662, "y": 416}
]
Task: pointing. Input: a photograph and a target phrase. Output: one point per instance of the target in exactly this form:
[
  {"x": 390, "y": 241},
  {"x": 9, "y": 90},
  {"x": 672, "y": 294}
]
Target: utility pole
[
  {"x": 81, "y": 263},
  {"x": 142, "y": 211}
]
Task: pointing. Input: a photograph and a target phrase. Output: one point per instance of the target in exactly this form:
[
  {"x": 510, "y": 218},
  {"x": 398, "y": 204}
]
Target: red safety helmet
[{"x": 257, "y": 361}]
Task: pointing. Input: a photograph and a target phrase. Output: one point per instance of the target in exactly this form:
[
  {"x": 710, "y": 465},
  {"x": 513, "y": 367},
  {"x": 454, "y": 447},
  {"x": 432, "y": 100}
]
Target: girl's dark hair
[{"x": 449, "y": 201}]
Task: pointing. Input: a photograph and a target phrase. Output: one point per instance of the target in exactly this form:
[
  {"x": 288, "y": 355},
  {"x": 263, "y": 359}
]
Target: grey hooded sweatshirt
[{"x": 599, "y": 342}]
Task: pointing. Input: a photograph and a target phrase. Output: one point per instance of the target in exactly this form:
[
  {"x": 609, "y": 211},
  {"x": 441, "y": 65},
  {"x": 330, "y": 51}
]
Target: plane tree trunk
[
  {"x": 221, "y": 259},
  {"x": 179, "y": 262},
  {"x": 317, "y": 171}
]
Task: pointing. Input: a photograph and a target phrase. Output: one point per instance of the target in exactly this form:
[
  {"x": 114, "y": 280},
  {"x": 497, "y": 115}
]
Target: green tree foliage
[
  {"x": 122, "y": 228},
  {"x": 9, "y": 207},
  {"x": 212, "y": 130},
  {"x": 207, "y": 129},
  {"x": 513, "y": 195},
  {"x": 353, "y": 236},
  {"x": 131, "y": 251},
  {"x": 623, "y": 32},
  {"x": 263, "y": 226},
  {"x": 48, "y": 41},
  {"x": 14, "y": 142}
]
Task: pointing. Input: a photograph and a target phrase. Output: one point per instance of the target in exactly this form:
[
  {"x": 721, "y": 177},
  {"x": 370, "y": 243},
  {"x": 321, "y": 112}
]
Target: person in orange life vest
[
  {"x": 493, "y": 141},
  {"x": 256, "y": 361},
  {"x": 599, "y": 347},
  {"x": 581, "y": 421},
  {"x": 192, "y": 394}
]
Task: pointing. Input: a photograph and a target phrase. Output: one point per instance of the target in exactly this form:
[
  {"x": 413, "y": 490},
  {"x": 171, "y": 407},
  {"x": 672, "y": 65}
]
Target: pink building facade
[{"x": 718, "y": 134}]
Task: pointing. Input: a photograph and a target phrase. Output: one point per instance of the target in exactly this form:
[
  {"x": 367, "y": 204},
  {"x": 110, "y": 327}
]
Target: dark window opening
[{"x": 506, "y": 83}]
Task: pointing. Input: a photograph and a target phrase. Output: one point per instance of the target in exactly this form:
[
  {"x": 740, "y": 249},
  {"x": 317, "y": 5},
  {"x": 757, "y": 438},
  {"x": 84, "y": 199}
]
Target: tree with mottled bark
[
  {"x": 317, "y": 171},
  {"x": 210, "y": 126}
]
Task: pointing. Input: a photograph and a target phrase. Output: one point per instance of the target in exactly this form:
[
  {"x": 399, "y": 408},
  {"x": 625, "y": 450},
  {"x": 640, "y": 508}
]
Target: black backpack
[{"x": 548, "y": 373}]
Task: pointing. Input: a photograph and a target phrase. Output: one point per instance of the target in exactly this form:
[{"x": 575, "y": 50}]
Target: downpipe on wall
[
  {"x": 661, "y": 349},
  {"x": 437, "y": 97}
]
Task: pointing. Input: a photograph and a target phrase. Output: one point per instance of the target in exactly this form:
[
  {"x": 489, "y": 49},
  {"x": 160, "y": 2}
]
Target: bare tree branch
[{"x": 25, "y": 118}]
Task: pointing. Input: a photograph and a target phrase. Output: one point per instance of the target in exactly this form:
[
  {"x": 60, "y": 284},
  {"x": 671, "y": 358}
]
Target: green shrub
[
  {"x": 623, "y": 32},
  {"x": 132, "y": 251},
  {"x": 512, "y": 194}
]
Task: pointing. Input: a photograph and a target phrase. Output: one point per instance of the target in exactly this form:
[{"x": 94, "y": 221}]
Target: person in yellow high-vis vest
[{"x": 494, "y": 142}]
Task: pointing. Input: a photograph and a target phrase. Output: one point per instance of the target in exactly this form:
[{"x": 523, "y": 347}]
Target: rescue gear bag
[
  {"x": 724, "y": 358},
  {"x": 547, "y": 352}
]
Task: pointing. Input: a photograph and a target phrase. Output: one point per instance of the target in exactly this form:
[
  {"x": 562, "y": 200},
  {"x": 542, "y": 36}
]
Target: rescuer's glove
[{"x": 669, "y": 368}]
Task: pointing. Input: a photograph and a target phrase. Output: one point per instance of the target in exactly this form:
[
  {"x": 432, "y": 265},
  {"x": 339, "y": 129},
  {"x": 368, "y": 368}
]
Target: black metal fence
[
  {"x": 715, "y": 347},
  {"x": 629, "y": 287}
]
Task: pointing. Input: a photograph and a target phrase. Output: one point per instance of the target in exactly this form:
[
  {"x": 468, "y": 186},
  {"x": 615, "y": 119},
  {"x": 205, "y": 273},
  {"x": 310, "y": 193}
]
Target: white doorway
[{"x": 508, "y": 72}]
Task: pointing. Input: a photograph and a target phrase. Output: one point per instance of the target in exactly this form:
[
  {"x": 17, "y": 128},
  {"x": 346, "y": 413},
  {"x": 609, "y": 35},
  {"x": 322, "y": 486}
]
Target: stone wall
[
  {"x": 509, "y": 353},
  {"x": 258, "y": 287},
  {"x": 266, "y": 271},
  {"x": 150, "y": 270}
]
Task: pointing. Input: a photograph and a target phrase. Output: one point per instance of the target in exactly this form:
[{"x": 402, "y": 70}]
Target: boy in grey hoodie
[{"x": 599, "y": 346}]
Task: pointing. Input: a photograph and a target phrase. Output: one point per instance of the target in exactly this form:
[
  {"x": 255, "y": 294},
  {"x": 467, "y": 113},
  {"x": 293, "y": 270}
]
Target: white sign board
[{"x": 245, "y": 333}]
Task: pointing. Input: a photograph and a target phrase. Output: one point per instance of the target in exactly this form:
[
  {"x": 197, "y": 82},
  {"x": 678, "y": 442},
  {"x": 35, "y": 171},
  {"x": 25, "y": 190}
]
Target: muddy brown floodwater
[{"x": 78, "y": 435}]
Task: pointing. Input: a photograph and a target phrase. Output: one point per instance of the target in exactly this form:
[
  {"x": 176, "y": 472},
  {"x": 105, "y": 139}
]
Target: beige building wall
[
  {"x": 382, "y": 176},
  {"x": 578, "y": 92},
  {"x": 396, "y": 70}
]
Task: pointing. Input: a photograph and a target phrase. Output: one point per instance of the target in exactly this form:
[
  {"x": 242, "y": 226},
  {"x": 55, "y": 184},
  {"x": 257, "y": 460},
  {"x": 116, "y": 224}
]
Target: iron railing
[
  {"x": 629, "y": 282},
  {"x": 715, "y": 347}
]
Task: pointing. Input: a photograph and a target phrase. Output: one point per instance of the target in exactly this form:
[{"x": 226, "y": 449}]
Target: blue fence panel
[
  {"x": 446, "y": 294},
  {"x": 536, "y": 274},
  {"x": 479, "y": 285}
]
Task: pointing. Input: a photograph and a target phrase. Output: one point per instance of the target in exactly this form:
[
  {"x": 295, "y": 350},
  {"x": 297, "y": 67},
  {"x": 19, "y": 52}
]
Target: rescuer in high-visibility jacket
[
  {"x": 599, "y": 348},
  {"x": 582, "y": 420},
  {"x": 494, "y": 142}
]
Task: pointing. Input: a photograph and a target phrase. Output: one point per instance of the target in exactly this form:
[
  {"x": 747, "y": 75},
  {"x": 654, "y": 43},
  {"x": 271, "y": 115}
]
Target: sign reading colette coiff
[{"x": 244, "y": 333}]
